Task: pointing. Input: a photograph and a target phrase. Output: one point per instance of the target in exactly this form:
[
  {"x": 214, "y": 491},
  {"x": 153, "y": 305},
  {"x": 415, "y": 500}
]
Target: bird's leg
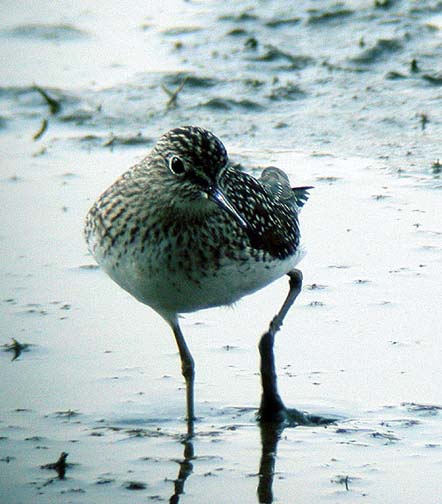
[
  {"x": 272, "y": 408},
  {"x": 188, "y": 370}
]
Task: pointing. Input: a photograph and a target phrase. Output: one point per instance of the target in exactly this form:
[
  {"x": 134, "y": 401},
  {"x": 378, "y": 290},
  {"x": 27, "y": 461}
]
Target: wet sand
[{"x": 100, "y": 379}]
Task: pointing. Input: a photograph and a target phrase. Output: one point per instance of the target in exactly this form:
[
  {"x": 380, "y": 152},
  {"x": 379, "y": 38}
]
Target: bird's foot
[
  {"x": 291, "y": 417},
  {"x": 296, "y": 417}
]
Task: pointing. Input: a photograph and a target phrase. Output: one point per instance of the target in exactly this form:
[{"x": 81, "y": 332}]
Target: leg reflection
[
  {"x": 270, "y": 434},
  {"x": 186, "y": 469}
]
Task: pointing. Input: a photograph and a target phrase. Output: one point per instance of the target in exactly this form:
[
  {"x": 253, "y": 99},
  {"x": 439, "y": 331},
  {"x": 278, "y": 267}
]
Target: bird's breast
[{"x": 178, "y": 270}]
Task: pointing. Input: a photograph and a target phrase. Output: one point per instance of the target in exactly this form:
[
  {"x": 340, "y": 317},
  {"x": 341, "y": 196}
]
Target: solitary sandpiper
[{"x": 186, "y": 229}]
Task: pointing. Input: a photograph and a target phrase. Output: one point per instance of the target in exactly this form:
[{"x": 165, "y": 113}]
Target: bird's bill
[{"x": 218, "y": 197}]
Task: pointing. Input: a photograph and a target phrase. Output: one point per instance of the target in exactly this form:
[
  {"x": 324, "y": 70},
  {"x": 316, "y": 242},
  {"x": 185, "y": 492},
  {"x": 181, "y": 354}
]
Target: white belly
[{"x": 171, "y": 292}]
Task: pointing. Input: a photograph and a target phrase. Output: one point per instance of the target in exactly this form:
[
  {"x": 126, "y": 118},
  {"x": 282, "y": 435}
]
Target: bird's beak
[{"x": 218, "y": 197}]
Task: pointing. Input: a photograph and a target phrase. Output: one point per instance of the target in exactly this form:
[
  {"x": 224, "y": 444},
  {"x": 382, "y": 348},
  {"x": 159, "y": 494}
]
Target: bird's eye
[{"x": 176, "y": 166}]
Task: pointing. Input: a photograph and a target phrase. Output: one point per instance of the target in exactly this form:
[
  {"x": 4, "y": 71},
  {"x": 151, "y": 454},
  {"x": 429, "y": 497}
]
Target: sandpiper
[{"x": 186, "y": 229}]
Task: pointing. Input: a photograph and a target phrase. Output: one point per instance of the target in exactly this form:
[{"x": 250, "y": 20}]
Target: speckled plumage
[
  {"x": 185, "y": 229},
  {"x": 160, "y": 236}
]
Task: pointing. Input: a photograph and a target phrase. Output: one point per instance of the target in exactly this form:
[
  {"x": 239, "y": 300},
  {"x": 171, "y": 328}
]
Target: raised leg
[
  {"x": 272, "y": 408},
  {"x": 188, "y": 370}
]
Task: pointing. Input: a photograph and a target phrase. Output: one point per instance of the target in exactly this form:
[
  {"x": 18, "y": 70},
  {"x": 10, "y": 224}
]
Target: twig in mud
[
  {"x": 16, "y": 347},
  {"x": 424, "y": 121},
  {"x": 60, "y": 466},
  {"x": 53, "y": 104},
  {"x": 342, "y": 480},
  {"x": 42, "y": 130},
  {"x": 383, "y": 4},
  {"x": 437, "y": 167},
  {"x": 173, "y": 95},
  {"x": 414, "y": 67}
]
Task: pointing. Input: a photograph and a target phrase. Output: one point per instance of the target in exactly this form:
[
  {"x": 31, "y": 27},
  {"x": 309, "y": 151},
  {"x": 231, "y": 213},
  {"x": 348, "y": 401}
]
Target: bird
[{"x": 187, "y": 229}]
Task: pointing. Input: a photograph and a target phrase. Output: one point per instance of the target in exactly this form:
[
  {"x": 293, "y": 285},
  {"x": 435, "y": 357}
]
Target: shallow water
[{"x": 327, "y": 92}]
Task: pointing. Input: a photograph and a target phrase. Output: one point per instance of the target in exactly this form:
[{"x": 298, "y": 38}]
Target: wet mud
[{"x": 344, "y": 97}]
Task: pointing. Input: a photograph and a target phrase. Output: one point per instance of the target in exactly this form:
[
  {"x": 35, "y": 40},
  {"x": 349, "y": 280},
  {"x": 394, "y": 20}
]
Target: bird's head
[{"x": 191, "y": 162}]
